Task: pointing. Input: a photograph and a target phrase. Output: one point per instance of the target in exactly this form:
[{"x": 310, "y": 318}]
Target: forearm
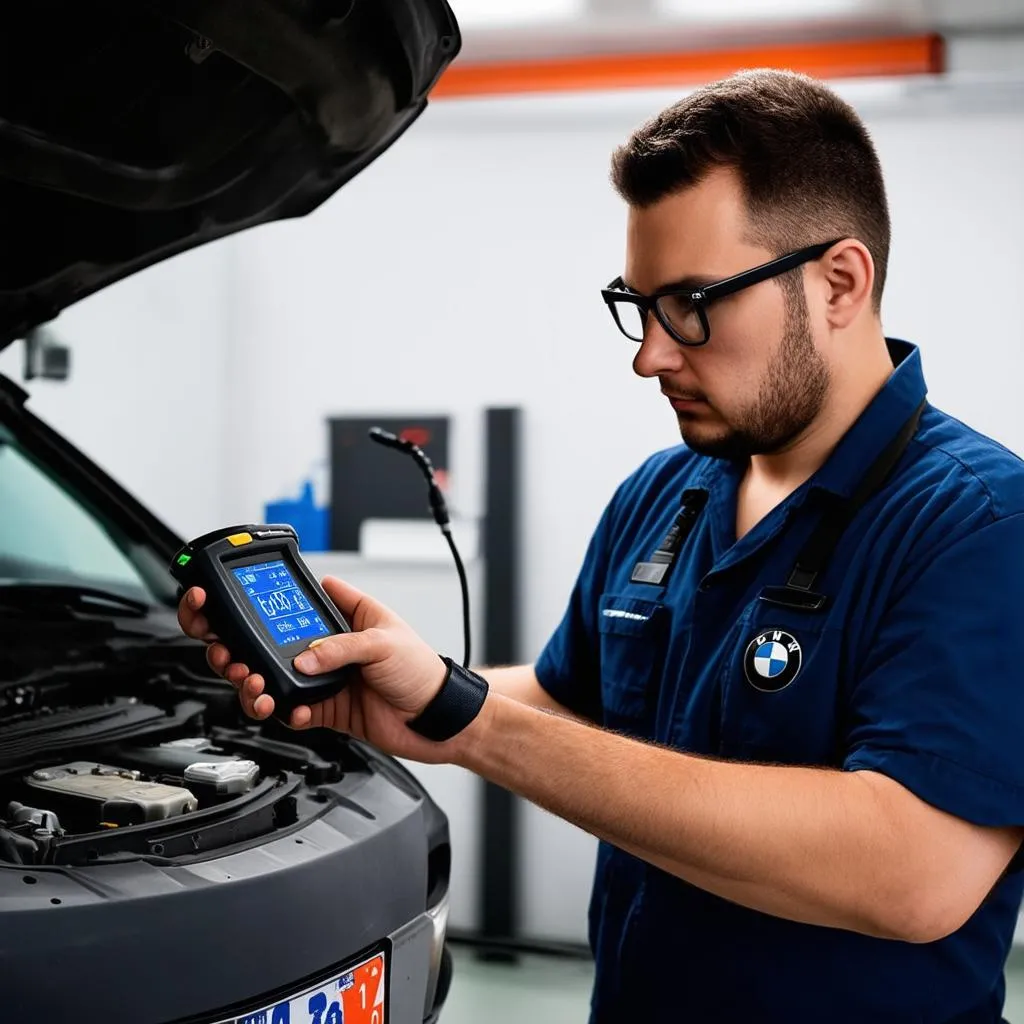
[
  {"x": 806, "y": 844},
  {"x": 520, "y": 683}
]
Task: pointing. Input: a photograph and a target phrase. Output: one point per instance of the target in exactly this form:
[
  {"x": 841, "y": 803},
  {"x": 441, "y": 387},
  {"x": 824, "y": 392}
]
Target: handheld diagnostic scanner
[{"x": 266, "y": 606}]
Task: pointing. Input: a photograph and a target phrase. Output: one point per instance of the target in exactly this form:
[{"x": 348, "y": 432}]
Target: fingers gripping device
[{"x": 266, "y": 606}]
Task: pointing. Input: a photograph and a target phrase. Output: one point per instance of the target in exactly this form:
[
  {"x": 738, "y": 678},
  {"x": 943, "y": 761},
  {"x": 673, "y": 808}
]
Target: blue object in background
[{"x": 310, "y": 523}]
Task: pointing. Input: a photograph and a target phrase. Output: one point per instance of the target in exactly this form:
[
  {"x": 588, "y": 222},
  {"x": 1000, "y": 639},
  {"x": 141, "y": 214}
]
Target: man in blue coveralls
[{"x": 786, "y": 694}]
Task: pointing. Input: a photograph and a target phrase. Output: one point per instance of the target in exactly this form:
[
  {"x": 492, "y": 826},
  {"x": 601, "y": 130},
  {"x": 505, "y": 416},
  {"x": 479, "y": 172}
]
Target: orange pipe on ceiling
[{"x": 884, "y": 57}]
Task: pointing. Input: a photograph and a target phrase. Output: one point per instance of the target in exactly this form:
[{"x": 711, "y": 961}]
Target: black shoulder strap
[
  {"x": 822, "y": 543},
  {"x": 656, "y": 571}
]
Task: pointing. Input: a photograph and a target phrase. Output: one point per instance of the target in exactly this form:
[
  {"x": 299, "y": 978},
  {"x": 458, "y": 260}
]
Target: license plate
[{"x": 358, "y": 996}]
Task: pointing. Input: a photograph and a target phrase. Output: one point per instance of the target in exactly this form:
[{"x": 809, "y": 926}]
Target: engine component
[
  {"x": 196, "y": 760},
  {"x": 229, "y": 778},
  {"x": 21, "y": 817},
  {"x": 31, "y": 833},
  {"x": 104, "y": 795}
]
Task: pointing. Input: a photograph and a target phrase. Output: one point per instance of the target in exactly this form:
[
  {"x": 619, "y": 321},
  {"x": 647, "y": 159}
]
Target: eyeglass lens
[{"x": 676, "y": 310}]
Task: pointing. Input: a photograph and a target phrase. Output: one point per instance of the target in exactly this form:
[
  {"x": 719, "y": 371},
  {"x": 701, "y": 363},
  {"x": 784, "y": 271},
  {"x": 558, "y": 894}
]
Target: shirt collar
[{"x": 877, "y": 425}]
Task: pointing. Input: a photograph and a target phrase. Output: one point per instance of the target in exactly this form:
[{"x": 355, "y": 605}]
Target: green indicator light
[{"x": 184, "y": 559}]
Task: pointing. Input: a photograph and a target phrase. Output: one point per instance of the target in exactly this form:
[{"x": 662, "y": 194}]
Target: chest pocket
[
  {"x": 633, "y": 636},
  {"x": 780, "y": 686}
]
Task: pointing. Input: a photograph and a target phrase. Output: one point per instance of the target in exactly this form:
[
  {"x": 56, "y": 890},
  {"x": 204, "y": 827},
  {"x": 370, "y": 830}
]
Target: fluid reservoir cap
[{"x": 229, "y": 777}]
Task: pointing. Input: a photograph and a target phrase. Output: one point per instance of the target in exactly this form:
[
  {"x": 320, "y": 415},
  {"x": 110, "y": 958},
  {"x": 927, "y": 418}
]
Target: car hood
[{"x": 131, "y": 130}]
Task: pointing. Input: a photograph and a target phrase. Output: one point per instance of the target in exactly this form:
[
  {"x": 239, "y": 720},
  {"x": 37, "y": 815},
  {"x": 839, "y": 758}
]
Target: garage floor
[
  {"x": 545, "y": 990},
  {"x": 537, "y": 989}
]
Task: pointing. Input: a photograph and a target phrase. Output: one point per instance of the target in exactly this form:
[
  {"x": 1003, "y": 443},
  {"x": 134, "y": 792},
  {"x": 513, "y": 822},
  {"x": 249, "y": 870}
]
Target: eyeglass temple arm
[{"x": 774, "y": 268}]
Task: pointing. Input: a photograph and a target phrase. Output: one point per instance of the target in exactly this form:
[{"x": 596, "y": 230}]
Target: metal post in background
[{"x": 499, "y": 897}]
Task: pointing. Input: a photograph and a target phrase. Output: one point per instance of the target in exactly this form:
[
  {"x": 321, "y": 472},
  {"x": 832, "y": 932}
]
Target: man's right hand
[
  {"x": 519, "y": 682},
  {"x": 397, "y": 674}
]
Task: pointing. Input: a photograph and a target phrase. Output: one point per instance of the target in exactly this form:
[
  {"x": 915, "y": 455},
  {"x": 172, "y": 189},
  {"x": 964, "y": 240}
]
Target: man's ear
[{"x": 848, "y": 276}]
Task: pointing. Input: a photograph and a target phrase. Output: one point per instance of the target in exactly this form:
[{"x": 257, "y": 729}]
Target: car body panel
[{"x": 229, "y": 932}]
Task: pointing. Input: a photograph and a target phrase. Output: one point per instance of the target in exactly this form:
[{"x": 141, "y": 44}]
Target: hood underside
[{"x": 131, "y": 130}]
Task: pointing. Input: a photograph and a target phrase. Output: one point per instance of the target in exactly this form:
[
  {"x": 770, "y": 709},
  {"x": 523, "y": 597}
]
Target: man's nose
[{"x": 659, "y": 353}]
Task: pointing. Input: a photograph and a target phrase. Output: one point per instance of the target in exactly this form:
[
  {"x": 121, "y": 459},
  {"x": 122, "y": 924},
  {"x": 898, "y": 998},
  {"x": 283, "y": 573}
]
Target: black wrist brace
[{"x": 456, "y": 704}]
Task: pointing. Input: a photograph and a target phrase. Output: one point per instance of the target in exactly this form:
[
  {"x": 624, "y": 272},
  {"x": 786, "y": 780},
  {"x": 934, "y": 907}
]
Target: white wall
[
  {"x": 955, "y": 188},
  {"x": 462, "y": 271},
  {"x": 144, "y": 397}
]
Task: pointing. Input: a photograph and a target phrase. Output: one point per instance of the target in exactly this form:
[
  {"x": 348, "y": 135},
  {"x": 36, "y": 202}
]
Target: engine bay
[{"x": 173, "y": 770}]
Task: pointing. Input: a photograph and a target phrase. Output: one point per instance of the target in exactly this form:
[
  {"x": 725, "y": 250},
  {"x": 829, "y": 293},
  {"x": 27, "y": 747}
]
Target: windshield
[{"x": 48, "y": 535}]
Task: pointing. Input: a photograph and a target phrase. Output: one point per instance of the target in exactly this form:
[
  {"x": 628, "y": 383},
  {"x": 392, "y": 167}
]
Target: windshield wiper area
[{"x": 91, "y": 600}]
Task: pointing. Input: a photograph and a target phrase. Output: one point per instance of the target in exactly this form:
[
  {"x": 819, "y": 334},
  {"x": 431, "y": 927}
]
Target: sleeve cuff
[
  {"x": 566, "y": 691},
  {"x": 962, "y": 792}
]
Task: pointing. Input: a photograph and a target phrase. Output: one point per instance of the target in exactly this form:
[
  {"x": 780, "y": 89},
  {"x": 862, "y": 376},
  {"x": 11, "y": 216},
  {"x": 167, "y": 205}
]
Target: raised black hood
[{"x": 131, "y": 130}]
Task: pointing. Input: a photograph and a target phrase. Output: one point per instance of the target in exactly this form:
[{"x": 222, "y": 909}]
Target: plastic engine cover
[{"x": 108, "y": 795}]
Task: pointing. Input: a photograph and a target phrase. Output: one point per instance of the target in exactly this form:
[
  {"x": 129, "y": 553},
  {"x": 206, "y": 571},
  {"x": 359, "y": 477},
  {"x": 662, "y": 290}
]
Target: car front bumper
[{"x": 143, "y": 942}]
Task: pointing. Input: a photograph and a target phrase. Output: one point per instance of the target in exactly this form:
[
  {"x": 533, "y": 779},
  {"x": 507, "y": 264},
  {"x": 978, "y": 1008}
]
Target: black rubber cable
[
  {"x": 464, "y": 584},
  {"x": 439, "y": 510}
]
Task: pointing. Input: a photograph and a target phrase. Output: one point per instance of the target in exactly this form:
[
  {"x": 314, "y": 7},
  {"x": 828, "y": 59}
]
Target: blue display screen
[{"x": 285, "y": 611}]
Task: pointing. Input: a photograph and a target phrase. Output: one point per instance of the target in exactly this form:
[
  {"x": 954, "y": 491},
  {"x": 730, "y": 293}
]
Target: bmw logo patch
[{"x": 772, "y": 660}]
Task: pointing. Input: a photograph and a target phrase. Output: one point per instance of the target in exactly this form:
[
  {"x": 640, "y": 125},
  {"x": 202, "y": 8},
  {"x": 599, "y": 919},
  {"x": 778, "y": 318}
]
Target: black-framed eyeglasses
[{"x": 682, "y": 311}]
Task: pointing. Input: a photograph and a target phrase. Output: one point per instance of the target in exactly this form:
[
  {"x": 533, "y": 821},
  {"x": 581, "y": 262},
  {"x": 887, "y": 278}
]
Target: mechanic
[{"x": 786, "y": 694}]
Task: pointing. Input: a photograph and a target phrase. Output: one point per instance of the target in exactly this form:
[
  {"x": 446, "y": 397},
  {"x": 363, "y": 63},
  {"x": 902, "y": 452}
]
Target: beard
[{"x": 793, "y": 390}]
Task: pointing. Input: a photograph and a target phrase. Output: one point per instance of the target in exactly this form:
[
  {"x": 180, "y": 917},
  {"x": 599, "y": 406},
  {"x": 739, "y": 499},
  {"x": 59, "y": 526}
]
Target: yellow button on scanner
[{"x": 238, "y": 539}]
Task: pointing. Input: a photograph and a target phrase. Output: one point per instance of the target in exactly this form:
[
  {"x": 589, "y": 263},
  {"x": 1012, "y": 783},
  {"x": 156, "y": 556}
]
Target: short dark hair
[{"x": 807, "y": 164}]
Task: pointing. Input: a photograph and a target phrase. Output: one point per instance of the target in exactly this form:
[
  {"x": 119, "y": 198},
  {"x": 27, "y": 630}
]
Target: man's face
[{"x": 760, "y": 381}]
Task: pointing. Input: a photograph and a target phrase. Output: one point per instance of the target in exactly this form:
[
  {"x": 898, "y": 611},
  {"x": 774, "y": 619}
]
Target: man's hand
[{"x": 399, "y": 674}]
